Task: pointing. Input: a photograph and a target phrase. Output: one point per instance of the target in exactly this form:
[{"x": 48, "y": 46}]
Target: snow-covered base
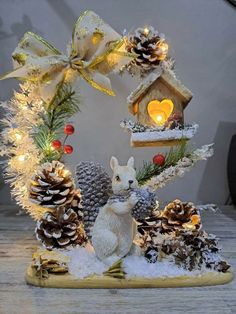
[
  {"x": 84, "y": 263},
  {"x": 165, "y": 135}
]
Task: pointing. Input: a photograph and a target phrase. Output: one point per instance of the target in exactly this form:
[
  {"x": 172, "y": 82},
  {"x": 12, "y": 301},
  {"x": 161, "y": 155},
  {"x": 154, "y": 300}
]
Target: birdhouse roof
[{"x": 170, "y": 79}]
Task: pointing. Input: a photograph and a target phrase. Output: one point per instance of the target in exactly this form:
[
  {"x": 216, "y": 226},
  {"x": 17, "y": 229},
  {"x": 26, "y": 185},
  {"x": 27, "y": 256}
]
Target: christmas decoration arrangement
[{"x": 95, "y": 230}]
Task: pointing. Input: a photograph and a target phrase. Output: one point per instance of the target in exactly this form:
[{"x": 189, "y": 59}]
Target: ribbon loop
[{"x": 96, "y": 50}]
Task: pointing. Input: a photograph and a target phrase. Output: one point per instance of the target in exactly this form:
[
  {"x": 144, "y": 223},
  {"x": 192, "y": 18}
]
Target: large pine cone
[
  {"x": 95, "y": 186},
  {"x": 61, "y": 228},
  {"x": 194, "y": 248},
  {"x": 149, "y": 46},
  {"x": 52, "y": 185}
]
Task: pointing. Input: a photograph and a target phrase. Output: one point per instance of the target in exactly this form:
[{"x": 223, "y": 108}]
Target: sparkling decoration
[
  {"x": 159, "y": 160},
  {"x": 18, "y": 146},
  {"x": 68, "y": 149},
  {"x": 56, "y": 144},
  {"x": 52, "y": 186},
  {"x": 61, "y": 229},
  {"x": 69, "y": 129},
  {"x": 150, "y": 49}
]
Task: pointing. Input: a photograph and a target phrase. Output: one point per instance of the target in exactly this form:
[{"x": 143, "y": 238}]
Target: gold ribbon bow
[{"x": 95, "y": 50}]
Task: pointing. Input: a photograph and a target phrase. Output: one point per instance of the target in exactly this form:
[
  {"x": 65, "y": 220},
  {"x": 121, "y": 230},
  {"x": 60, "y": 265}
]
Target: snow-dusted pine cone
[
  {"x": 176, "y": 216},
  {"x": 147, "y": 203},
  {"x": 52, "y": 185},
  {"x": 192, "y": 249},
  {"x": 95, "y": 186},
  {"x": 76, "y": 202},
  {"x": 180, "y": 215},
  {"x": 149, "y": 46},
  {"x": 61, "y": 228}
]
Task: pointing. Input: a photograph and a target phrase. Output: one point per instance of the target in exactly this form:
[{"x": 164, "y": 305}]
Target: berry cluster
[{"x": 57, "y": 144}]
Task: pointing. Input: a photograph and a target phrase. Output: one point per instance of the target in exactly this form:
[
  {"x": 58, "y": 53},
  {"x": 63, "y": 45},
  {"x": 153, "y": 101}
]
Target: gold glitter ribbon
[{"x": 95, "y": 51}]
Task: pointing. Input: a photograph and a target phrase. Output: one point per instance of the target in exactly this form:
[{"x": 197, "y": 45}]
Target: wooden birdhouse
[{"x": 158, "y": 99}]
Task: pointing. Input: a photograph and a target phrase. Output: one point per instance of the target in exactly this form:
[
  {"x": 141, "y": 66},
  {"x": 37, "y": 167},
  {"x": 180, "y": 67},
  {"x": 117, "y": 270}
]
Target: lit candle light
[
  {"x": 163, "y": 48},
  {"x": 159, "y": 111},
  {"x": 18, "y": 136},
  {"x": 21, "y": 157}
]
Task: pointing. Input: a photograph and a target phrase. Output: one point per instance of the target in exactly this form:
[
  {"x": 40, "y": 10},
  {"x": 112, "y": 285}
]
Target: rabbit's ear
[
  {"x": 114, "y": 162},
  {"x": 130, "y": 162}
]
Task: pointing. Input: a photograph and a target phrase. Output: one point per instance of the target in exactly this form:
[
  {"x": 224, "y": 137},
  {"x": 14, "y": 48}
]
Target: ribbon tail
[
  {"x": 20, "y": 73},
  {"x": 98, "y": 81}
]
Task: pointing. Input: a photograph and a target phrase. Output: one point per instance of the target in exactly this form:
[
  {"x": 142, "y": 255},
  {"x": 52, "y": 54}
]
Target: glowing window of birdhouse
[
  {"x": 159, "y": 111},
  {"x": 135, "y": 108}
]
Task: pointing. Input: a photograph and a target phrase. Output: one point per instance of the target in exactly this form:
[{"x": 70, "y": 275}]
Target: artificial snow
[
  {"x": 84, "y": 263},
  {"x": 186, "y": 133}
]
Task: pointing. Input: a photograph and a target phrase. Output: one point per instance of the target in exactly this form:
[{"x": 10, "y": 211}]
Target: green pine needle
[
  {"x": 64, "y": 105},
  {"x": 171, "y": 158}
]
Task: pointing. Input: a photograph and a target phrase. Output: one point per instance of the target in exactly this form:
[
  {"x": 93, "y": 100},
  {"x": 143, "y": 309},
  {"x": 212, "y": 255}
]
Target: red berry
[
  {"x": 68, "y": 149},
  {"x": 69, "y": 129},
  {"x": 56, "y": 144},
  {"x": 159, "y": 160}
]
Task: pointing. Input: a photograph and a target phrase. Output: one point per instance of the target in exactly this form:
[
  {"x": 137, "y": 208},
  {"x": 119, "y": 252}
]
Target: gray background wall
[{"x": 202, "y": 37}]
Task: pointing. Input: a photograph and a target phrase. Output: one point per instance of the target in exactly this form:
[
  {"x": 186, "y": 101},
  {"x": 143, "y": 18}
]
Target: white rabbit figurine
[{"x": 114, "y": 229}]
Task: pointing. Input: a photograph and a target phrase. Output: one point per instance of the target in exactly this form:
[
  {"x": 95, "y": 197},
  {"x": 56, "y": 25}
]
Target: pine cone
[
  {"x": 95, "y": 186},
  {"x": 61, "y": 228},
  {"x": 146, "y": 204},
  {"x": 178, "y": 215},
  {"x": 52, "y": 185},
  {"x": 195, "y": 248},
  {"x": 149, "y": 46},
  {"x": 76, "y": 202},
  {"x": 151, "y": 255},
  {"x": 150, "y": 225}
]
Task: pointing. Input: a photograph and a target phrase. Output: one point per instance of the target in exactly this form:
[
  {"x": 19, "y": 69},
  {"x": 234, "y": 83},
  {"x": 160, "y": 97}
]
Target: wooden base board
[{"x": 68, "y": 281}]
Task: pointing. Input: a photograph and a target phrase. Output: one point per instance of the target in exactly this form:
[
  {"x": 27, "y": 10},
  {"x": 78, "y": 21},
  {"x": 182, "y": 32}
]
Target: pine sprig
[
  {"x": 150, "y": 169},
  {"x": 64, "y": 105}
]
